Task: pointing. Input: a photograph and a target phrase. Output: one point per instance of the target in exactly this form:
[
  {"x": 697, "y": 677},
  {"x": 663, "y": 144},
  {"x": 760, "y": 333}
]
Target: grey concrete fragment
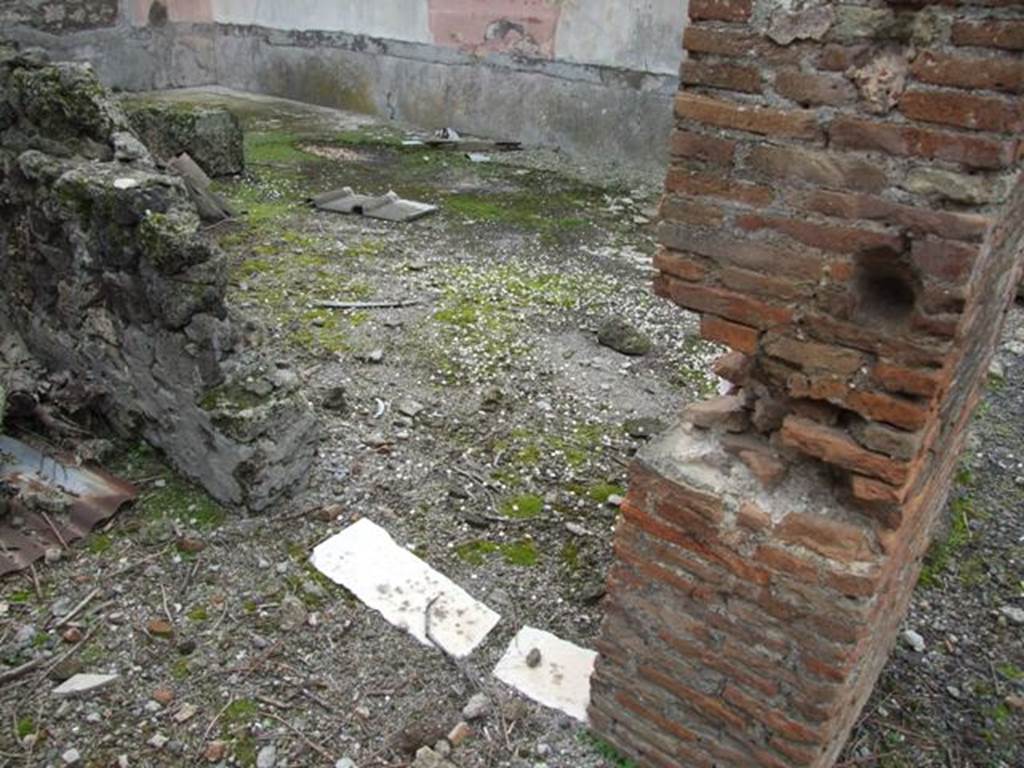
[
  {"x": 83, "y": 684},
  {"x": 811, "y": 24}
]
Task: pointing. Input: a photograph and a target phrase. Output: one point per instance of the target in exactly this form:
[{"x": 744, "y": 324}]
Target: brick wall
[
  {"x": 59, "y": 15},
  {"x": 844, "y": 210}
]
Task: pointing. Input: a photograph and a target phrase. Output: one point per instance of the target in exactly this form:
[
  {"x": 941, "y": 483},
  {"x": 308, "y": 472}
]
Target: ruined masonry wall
[
  {"x": 844, "y": 208},
  {"x": 110, "y": 285},
  {"x": 58, "y": 16}
]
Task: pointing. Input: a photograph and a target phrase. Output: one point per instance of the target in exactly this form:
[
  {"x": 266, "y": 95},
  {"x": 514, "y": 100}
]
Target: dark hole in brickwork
[
  {"x": 158, "y": 14},
  {"x": 885, "y": 289}
]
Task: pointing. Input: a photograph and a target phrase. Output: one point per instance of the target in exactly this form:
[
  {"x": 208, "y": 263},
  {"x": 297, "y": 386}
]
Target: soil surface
[{"x": 481, "y": 423}]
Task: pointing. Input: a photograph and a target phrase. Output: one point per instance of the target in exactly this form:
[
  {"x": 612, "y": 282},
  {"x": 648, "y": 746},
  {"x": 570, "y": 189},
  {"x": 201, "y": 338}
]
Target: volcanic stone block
[
  {"x": 111, "y": 286},
  {"x": 212, "y": 136}
]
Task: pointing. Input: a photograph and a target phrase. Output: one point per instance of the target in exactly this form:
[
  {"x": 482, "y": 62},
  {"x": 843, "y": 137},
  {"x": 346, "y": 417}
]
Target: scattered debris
[
  {"x": 83, "y": 683},
  {"x": 449, "y": 138},
  {"x": 560, "y": 679},
  {"x": 212, "y": 207},
  {"x": 615, "y": 333},
  {"x": 914, "y": 640},
  {"x": 1013, "y": 613},
  {"x": 84, "y": 498},
  {"x": 459, "y": 733},
  {"x": 389, "y": 207},
  {"x": 428, "y": 758},
  {"x": 477, "y": 707},
  {"x": 364, "y": 559},
  {"x": 396, "y": 304}
]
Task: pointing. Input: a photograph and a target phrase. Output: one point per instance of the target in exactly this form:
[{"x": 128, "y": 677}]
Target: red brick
[
  {"x": 728, "y": 304},
  {"x": 852, "y": 584},
  {"x": 690, "y": 211},
  {"x": 869, "y": 489},
  {"x": 737, "y": 43},
  {"x": 944, "y": 259},
  {"x": 912, "y": 381},
  {"x": 731, "y": 77},
  {"x": 839, "y": 58},
  {"x": 835, "y": 446},
  {"x": 995, "y": 74},
  {"x": 786, "y": 564},
  {"x": 699, "y": 146},
  {"x": 734, "y": 367},
  {"x": 826, "y": 671},
  {"x": 811, "y": 355},
  {"x": 798, "y": 124},
  {"x": 739, "y": 337},
  {"x": 945, "y": 325},
  {"x": 720, "y": 10},
  {"x": 911, "y": 141},
  {"x": 797, "y": 755},
  {"x": 823, "y": 236},
  {"x": 681, "y": 537},
  {"x": 715, "y": 185},
  {"x": 833, "y": 330},
  {"x": 653, "y": 572},
  {"x": 633, "y": 704},
  {"x": 899, "y": 411},
  {"x": 747, "y": 253},
  {"x": 711, "y": 658},
  {"x": 828, "y": 537},
  {"x": 1008, "y": 35},
  {"x": 745, "y": 281},
  {"x": 948, "y": 224},
  {"x": 708, "y": 706},
  {"x": 726, "y": 411},
  {"x": 766, "y": 466},
  {"x": 813, "y": 89},
  {"x": 751, "y": 516},
  {"x": 826, "y": 169},
  {"x": 707, "y": 505},
  {"x": 775, "y": 721},
  {"x": 680, "y": 265},
  {"x": 964, "y": 110}
]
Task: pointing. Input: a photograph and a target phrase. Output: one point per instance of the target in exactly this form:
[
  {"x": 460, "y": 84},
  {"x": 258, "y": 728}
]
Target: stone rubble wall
[
  {"x": 110, "y": 285},
  {"x": 59, "y": 16},
  {"x": 844, "y": 208}
]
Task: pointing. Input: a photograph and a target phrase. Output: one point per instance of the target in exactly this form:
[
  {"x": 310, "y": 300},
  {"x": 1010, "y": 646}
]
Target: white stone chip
[
  {"x": 125, "y": 183},
  {"x": 364, "y": 559},
  {"x": 562, "y": 678},
  {"x": 82, "y": 684}
]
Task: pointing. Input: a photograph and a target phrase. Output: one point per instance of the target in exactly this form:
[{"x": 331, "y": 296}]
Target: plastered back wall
[
  {"x": 631, "y": 34},
  {"x": 595, "y": 78}
]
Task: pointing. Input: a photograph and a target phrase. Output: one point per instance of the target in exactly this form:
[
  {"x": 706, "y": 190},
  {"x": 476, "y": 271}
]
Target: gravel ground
[{"x": 485, "y": 427}]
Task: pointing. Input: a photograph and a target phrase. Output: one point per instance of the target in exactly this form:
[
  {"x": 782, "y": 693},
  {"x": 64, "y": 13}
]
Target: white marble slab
[
  {"x": 561, "y": 680},
  {"x": 388, "y": 578}
]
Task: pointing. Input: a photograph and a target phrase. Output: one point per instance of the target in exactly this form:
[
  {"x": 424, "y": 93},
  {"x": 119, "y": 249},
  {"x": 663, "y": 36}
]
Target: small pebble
[{"x": 914, "y": 640}]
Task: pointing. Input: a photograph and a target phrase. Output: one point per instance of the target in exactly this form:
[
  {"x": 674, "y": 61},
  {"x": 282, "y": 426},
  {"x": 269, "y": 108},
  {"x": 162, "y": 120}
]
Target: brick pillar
[{"x": 843, "y": 209}]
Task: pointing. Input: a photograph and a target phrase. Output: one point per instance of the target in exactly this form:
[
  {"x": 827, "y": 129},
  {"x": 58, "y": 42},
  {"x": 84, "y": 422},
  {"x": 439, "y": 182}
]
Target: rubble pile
[{"x": 112, "y": 288}]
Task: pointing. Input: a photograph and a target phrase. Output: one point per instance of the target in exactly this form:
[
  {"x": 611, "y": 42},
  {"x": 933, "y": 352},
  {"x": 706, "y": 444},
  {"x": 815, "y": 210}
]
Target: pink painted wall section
[
  {"x": 177, "y": 10},
  {"x": 527, "y": 27}
]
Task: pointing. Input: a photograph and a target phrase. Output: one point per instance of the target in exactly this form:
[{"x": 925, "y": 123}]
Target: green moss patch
[
  {"x": 170, "y": 497},
  {"x": 519, "y": 553},
  {"x": 523, "y": 507}
]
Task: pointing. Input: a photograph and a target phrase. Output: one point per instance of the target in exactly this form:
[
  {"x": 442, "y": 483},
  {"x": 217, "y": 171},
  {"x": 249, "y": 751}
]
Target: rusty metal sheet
[{"x": 80, "y": 498}]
